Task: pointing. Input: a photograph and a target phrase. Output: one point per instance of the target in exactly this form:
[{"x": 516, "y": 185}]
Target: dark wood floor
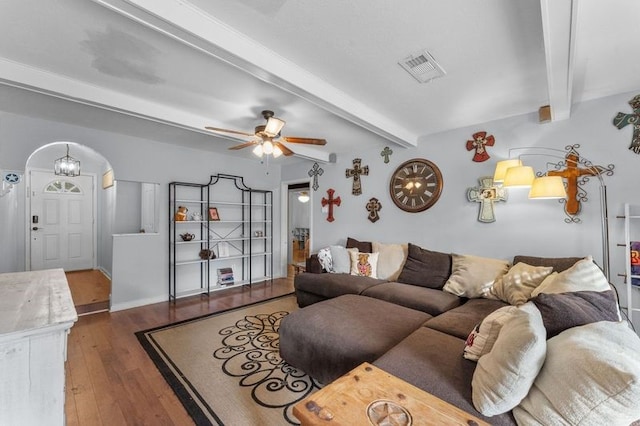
[
  {"x": 90, "y": 290},
  {"x": 111, "y": 380}
]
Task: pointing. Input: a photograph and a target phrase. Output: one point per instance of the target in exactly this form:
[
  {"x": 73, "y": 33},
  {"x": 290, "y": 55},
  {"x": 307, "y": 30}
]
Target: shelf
[
  {"x": 213, "y": 203},
  {"x": 189, "y": 201}
]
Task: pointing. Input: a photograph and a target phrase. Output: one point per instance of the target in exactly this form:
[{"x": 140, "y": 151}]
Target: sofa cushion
[
  {"x": 515, "y": 287},
  {"x": 473, "y": 276},
  {"x": 461, "y": 320},
  {"x": 504, "y": 376},
  {"x": 364, "y": 264},
  {"x": 558, "y": 264},
  {"x": 333, "y": 285},
  {"x": 433, "y": 302},
  {"x": 425, "y": 268},
  {"x": 391, "y": 259},
  {"x": 432, "y": 361},
  {"x": 363, "y": 246},
  {"x": 330, "y": 338},
  {"x": 596, "y": 382},
  {"x": 566, "y": 310},
  {"x": 481, "y": 340}
]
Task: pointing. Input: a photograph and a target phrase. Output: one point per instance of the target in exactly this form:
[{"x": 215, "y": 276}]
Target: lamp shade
[
  {"x": 519, "y": 177},
  {"x": 547, "y": 188},
  {"x": 501, "y": 168},
  {"x": 273, "y": 127}
]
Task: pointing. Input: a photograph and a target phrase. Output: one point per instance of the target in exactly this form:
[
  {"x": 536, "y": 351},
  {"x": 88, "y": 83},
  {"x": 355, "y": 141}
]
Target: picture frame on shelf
[{"x": 213, "y": 213}]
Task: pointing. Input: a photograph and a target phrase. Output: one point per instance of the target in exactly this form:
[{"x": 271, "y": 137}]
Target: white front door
[{"x": 61, "y": 222}]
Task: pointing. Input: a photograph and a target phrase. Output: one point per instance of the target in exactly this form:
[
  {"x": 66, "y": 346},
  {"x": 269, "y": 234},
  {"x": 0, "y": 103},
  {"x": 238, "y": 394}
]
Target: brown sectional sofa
[{"x": 415, "y": 332}]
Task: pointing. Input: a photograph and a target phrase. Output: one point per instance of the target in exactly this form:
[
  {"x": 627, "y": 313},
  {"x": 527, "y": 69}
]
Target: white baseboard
[{"x": 137, "y": 303}]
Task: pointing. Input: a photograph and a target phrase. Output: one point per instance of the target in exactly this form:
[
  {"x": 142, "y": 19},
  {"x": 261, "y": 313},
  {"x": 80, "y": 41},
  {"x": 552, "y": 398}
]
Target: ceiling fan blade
[
  {"x": 237, "y": 132},
  {"x": 285, "y": 151},
  {"x": 243, "y": 145},
  {"x": 309, "y": 141}
]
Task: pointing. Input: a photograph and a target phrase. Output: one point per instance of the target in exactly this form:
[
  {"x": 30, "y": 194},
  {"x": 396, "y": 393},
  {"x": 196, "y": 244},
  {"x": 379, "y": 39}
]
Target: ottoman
[{"x": 330, "y": 338}]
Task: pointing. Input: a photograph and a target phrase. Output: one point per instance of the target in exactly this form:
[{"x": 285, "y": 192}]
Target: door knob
[{"x": 35, "y": 228}]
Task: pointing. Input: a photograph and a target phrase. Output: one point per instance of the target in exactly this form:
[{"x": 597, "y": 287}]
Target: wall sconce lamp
[
  {"x": 66, "y": 166},
  {"x": 512, "y": 173}
]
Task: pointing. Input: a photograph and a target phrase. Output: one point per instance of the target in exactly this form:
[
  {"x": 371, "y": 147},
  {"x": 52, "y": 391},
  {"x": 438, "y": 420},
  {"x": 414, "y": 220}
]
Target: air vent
[{"x": 422, "y": 66}]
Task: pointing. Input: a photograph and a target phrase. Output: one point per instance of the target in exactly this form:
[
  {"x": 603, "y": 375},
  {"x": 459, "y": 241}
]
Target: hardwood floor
[
  {"x": 90, "y": 290},
  {"x": 111, "y": 380}
]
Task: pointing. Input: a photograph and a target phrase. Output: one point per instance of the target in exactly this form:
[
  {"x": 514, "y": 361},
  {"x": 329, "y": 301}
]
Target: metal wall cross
[
  {"x": 330, "y": 202},
  {"x": 355, "y": 174},
  {"x": 622, "y": 119},
  {"x": 373, "y": 207},
  {"x": 315, "y": 172},
  {"x": 486, "y": 194},
  {"x": 386, "y": 153}
]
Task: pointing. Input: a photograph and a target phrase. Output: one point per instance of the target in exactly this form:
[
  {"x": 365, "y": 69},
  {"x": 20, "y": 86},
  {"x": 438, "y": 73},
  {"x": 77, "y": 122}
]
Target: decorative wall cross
[
  {"x": 315, "y": 172},
  {"x": 486, "y": 194},
  {"x": 373, "y": 207},
  {"x": 575, "y": 176},
  {"x": 355, "y": 174},
  {"x": 386, "y": 153},
  {"x": 479, "y": 143},
  {"x": 330, "y": 202},
  {"x": 622, "y": 119}
]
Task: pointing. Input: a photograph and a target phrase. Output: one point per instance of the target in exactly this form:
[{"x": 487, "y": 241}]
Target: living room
[{"x": 138, "y": 140}]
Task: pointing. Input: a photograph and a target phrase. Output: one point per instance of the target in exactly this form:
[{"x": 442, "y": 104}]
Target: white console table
[{"x": 36, "y": 314}]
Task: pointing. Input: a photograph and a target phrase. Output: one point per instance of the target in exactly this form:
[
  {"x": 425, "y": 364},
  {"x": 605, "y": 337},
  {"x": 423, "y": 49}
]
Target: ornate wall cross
[
  {"x": 386, "y": 153},
  {"x": 355, "y": 174},
  {"x": 621, "y": 120},
  {"x": 315, "y": 172},
  {"x": 479, "y": 143},
  {"x": 330, "y": 202},
  {"x": 373, "y": 207},
  {"x": 486, "y": 194}
]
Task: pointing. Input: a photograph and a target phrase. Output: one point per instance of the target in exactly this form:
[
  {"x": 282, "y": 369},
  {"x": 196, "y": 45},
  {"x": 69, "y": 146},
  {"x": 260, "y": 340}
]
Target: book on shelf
[
  {"x": 635, "y": 262},
  {"x": 225, "y": 276}
]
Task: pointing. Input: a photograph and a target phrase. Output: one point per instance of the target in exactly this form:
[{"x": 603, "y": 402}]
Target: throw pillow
[
  {"x": 324, "y": 257},
  {"x": 558, "y": 264},
  {"x": 364, "y": 264},
  {"x": 363, "y": 246},
  {"x": 391, "y": 259},
  {"x": 504, "y": 376},
  {"x": 583, "y": 276},
  {"x": 566, "y": 310},
  {"x": 473, "y": 276},
  {"x": 591, "y": 376},
  {"x": 341, "y": 259},
  {"x": 484, "y": 335},
  {"x": 516, "y": 285},
  {"x": 425, "y": 268}
]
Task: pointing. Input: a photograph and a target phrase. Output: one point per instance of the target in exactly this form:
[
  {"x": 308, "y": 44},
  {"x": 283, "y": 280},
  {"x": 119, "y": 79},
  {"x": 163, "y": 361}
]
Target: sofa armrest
[{"x": 313, "y": 265}]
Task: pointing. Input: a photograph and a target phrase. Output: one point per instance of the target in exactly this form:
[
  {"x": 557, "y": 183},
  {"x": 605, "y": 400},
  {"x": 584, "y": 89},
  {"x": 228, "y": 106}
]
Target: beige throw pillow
[
  {"x": 504, "y": 376},
  {"x": 484, "y": 335},
  {"x": 473, "y": 276},
  {"x": 583, "y": 276},
  {"x": 364, "y": 264},
  {"x": 516, "y": 285},
  {"x": 391, "y": 259},
  {"x": 591, "y": 376}
]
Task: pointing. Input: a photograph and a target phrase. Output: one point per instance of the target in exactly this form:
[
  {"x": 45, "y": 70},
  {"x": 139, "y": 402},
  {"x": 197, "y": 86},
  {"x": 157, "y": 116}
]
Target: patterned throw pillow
[
  {"x": 364, "y": 264},
  {"x": 516, "y": 285},
  {"x": 324, "y": 257}
]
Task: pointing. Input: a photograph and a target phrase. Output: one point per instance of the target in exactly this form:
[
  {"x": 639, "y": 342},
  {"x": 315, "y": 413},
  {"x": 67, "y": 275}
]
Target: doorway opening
[{"x": 298, "y": 226}]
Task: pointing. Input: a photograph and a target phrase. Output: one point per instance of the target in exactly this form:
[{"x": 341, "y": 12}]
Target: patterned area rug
[{"x": 225, "y": 368}]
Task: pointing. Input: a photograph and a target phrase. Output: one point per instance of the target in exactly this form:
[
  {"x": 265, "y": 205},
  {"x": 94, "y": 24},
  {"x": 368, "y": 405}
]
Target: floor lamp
[{"x": 513, "y": 173}]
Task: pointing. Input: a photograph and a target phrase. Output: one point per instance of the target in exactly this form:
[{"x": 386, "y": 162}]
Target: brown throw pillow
[
  {"x": 558, "y": 264},
  {"x": 562, "y": 311},
  {"x": 362, "y": 246},
  {"x": 425, "y": 268}
]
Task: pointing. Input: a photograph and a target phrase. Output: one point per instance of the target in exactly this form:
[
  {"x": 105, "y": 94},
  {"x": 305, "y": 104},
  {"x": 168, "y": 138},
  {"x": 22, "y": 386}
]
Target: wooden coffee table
[{"x": 370, "y": 396}]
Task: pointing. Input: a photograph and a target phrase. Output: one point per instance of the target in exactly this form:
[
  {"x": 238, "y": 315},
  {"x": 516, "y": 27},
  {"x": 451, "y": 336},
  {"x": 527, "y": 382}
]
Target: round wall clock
[{"x": 415, "y": 185}]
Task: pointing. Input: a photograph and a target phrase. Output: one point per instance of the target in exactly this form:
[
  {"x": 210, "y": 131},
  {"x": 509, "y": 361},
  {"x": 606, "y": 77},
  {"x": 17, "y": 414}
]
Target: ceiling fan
[{"x": 267, "y": 138}]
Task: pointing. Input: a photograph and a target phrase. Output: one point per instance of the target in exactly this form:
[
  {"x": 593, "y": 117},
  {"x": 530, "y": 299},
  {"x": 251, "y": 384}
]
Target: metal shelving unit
[
  {"x": 241, "y": 239},
  {"x": 631, "y": 233}
]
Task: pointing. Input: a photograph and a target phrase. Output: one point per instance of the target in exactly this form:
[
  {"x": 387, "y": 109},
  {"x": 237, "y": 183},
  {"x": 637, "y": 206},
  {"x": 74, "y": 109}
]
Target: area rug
[{"x": 225, "y": 367}]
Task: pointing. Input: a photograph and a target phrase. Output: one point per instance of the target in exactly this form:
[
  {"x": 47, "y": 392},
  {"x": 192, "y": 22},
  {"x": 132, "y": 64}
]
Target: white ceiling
[{"x": 329, "y": 68}]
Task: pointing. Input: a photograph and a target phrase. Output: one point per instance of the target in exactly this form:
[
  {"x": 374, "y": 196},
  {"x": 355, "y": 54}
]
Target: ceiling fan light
[
  {"x": 258, "y": 150},
  {"x": 273, "y": 127},
  {"x": 267, "y": 147},
  {"x": 277, "y": 152}
]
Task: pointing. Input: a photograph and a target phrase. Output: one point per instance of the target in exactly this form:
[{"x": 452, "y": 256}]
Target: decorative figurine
[
  {"x": 181, "y": 214},
  {"x": 479, "y": 143}
]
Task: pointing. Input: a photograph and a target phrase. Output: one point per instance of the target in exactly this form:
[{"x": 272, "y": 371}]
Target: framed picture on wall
[{"x": 213, "y": 213}]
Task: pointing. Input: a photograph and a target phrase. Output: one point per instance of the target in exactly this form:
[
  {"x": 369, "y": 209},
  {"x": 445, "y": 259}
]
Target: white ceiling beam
[
  {"x": 186, "y": 23},
  {"x": 559, "y": 19}
]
